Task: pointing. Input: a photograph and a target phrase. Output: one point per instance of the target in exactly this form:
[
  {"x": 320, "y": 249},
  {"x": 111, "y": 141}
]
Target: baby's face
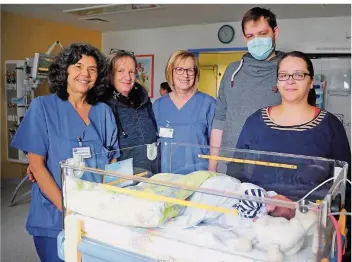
[{"x": 277, "y": 211}]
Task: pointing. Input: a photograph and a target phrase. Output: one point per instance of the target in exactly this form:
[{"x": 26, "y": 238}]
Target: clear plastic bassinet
[{"x": 159, "y": 202}]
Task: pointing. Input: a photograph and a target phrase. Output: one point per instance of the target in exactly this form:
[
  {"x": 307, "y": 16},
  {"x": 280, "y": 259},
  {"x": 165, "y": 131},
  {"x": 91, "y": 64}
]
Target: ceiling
[{"x": 172, "y": 15}]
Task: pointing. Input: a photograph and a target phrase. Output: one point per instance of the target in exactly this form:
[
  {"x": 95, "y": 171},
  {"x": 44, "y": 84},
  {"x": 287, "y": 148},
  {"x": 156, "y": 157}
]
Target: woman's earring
[{"x": 274, "y": 89}]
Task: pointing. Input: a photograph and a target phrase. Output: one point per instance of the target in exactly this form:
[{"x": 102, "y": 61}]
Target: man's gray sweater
[{"x": 252, "y": 89}]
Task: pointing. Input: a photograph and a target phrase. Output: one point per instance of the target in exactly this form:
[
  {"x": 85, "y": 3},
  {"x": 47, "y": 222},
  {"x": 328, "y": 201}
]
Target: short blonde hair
[{"x": 179, "y": 56}]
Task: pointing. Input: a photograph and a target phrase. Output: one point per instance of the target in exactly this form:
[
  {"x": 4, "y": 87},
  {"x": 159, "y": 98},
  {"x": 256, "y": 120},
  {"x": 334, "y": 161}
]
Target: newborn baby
[{"x": 254, "y": 210}]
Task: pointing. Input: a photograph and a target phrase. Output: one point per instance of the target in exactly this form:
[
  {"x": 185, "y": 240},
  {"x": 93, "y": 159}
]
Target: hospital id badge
[
  {"x": 166, "y": 132},
  {"x": 83, "y": 152}
]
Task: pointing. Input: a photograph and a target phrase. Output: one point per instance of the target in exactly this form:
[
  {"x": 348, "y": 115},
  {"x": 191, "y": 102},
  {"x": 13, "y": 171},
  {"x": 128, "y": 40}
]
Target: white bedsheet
[{"x": 204, "y": 243}]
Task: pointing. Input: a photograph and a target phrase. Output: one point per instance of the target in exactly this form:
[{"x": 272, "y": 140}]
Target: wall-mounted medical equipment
[
  {"x": 22, "y": 77},
  {"x": 16, "y": 99},
  {"x": 41, "y": 63}
]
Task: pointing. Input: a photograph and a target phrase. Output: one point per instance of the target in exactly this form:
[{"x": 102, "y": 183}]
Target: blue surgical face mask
[{"x": 260, "y": 47}]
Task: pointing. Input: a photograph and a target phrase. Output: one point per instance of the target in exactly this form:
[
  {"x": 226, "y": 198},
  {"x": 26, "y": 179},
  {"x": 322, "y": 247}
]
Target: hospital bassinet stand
[
  {"x": 74, "y": 247},
  {"x": 77, "y": 248},
  {"x": 15, "y": 201}
]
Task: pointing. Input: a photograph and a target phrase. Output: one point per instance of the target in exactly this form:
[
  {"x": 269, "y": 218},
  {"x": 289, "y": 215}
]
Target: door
[
  {"x": 212, "y": 68},
  {"x": 208, "y": 80}
]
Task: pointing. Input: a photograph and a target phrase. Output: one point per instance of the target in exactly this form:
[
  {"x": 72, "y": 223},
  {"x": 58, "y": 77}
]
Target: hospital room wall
[
  {"x": 21, "y": 37},
  {"x": 299, "y": 34}
]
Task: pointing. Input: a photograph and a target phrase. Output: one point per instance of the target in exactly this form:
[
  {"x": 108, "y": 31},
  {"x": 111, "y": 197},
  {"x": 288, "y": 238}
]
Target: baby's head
[
  {"x": 256, "y": 209},
  {"x": 277, "y": 211}
]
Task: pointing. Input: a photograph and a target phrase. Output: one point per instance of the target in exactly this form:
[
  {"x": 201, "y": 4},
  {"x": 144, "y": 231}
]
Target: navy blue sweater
[
  {"x": 324, "y": 136},
  {"x": 136, "y": 125}
]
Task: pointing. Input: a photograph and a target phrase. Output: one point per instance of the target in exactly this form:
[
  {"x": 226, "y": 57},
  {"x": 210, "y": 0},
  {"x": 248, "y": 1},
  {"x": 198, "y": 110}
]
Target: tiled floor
[{"x": 16, "y": 244}]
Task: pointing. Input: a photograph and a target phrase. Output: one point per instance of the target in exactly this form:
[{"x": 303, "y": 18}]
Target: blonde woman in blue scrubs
[{"x": 184, "y": 116}]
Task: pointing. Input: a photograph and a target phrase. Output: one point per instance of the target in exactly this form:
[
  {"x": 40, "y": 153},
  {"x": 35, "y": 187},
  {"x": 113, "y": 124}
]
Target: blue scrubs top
[
  {"x": 52, "y": 128},
  {"x": 191, "y": 125}
]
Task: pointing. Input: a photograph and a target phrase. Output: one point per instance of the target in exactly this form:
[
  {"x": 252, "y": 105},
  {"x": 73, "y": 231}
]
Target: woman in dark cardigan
[{"x": 133, "y": 112}]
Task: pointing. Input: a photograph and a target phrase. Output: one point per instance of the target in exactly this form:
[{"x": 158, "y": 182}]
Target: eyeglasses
[
  {"x": 121, "y": 51},
  {"x": 181, "y": 70},
  {"x": 299, "y": 76}
]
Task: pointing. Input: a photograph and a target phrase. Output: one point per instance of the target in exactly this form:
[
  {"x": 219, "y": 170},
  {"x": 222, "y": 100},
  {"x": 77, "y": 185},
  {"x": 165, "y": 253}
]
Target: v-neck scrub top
[
  {"x": 191, "y": 124},
  {"x": 52, "y": 128}
]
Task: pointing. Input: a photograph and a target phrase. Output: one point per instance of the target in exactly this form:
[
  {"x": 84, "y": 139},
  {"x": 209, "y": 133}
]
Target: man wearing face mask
[{"x": 249, "y": 84}]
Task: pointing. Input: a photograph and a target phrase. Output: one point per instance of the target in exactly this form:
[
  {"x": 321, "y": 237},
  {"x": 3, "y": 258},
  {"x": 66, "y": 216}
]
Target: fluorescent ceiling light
[{"x": 109, "y": 9}]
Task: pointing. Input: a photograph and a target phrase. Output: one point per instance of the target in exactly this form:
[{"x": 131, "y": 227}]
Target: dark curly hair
[{"x": 69, "y": 56}]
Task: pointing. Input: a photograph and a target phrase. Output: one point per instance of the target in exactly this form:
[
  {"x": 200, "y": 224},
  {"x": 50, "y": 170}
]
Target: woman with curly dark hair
[{"x": 59, "y": 126}]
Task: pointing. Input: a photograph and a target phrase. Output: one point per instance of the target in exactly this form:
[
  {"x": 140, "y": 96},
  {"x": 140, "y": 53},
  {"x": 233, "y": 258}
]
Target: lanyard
[{"x": 80, "y": 141}]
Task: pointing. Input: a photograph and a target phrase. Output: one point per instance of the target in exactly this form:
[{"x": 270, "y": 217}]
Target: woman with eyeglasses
[
  {"x": 132, "y": 108},
  {"x": 297, "y": 127},
  {"x": 184, "y": 116}
]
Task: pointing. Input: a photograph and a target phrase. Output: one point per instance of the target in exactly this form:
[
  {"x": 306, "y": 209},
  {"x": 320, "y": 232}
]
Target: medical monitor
[{"x": 41, "y": 63}]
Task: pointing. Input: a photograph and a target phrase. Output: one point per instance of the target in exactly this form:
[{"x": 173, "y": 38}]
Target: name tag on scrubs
[
  {"x": 166, "y": 132},
  {"x": 83, "y": 152}
]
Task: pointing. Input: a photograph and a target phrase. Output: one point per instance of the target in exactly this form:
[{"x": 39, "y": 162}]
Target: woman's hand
[
  {"x": 30, "y": 174},
  {"x": 46, "y": 182}
]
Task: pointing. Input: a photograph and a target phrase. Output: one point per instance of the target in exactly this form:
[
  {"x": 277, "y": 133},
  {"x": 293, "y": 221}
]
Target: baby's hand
[{"x": 277, "y": 211}]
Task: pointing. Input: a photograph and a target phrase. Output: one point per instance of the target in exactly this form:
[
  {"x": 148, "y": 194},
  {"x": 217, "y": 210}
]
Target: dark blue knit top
[{"x": 324, "y": 137}]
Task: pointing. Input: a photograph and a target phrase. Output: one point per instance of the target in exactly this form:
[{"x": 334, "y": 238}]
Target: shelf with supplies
[{"x": 17, "y": 98}]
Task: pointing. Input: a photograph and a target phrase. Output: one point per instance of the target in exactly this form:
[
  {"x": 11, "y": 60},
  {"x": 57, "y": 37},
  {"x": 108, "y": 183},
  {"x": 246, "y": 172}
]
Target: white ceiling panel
[{"x": 172, "y": 15}]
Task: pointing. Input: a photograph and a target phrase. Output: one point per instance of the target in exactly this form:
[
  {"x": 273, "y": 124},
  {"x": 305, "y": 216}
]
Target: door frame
[{"x": 217, "y": 50}]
